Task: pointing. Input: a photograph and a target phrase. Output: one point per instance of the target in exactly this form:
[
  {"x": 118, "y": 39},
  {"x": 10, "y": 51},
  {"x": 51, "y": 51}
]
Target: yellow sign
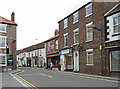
[{"x": 100, "y": 46}]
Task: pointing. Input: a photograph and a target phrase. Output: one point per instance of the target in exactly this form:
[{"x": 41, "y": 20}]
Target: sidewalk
[{"x": 9, "y": 81}]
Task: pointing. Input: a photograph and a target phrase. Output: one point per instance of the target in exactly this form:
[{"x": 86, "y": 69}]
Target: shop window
[
  {"x": 116, "y": 24},
  {"x": 90, "y": 57},
  {"x": 2, "y": 59},
  {"x": 115, "y": 60}
]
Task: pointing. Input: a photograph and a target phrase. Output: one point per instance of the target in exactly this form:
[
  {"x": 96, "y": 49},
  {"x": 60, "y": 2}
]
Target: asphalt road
[{"x": 51, "y": 78}]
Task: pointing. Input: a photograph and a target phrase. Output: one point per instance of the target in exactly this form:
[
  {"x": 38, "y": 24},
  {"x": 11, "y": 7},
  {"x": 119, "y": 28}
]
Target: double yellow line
[{"x": 24, "y": 81}]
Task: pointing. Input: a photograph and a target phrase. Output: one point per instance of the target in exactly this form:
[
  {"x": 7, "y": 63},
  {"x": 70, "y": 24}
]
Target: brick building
[
  {"x": 52, "y": 50},
  {"x": 112, "y": 41},
  {"x": 8, "y": 37},
  {"x": 78, "y": 44}
]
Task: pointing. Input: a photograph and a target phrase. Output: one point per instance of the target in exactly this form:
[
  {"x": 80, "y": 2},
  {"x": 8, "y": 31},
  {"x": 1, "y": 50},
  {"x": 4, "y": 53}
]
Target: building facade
[
  {"x": 52, "y": 50},
  {"x": 8, "y": 39},
  {"x": 80, "y": 45},
  {"x": 112, "y": 41}
]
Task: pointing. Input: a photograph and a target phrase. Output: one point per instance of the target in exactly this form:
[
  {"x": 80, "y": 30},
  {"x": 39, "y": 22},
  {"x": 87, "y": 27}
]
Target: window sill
[
  {"x": 75, "y": 44},
  {"x": 89, "y": 64},
  {"x": 3, "y": 32},
  {"x": 88, "y": 15},
  {"x": 75, "y": 22},
  {"x": 88, "y": 41},
  {"x": 65, "y": 46},
  {"x": 65, "y": 27},
  {"x": 116, "y": 34}
]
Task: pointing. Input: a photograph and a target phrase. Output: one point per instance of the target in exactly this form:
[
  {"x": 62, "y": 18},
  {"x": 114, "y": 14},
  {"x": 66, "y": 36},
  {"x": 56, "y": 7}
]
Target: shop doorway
[{"x": 76, "y": 61}]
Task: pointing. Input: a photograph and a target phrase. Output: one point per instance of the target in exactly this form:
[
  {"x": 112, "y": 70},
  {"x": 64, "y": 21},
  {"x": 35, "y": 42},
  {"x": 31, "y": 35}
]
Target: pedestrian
[
  {"x": 59, "y": 67},
  {"x": 51, "y": 65},
  {"x": 41, "y": 64}
]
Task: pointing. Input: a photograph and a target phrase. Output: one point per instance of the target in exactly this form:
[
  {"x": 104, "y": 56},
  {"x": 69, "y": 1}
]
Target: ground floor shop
[
  {"x": 66, "y": 59},
  {"x": 54, "y": 59}
]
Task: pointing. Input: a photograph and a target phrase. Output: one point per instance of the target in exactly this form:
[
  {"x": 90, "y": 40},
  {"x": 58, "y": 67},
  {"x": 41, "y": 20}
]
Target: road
[{"x": 36, "y": 77}]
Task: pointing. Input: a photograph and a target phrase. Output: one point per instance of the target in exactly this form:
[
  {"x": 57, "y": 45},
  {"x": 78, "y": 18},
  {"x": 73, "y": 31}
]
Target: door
[{"x": 76, "y": 61}]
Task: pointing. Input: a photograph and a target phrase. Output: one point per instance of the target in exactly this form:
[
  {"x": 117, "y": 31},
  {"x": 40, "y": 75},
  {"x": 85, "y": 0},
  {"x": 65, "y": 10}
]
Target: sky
[{"x": 37, "y": 19}]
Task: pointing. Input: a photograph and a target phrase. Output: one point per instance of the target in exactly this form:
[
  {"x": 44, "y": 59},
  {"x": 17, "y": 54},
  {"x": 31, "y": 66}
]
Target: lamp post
[{"x": 99, "y": 29}]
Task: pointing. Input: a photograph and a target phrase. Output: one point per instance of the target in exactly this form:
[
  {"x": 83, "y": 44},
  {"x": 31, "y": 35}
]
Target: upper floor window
[
  {"x": 89, "y": 32},
  {"x": 116, "y": 24},
  {"x": 48, "y": 46},
  {"x": 89, "y": 10},
  {"x": 2, "y": 28},
  {"x": 2, "y": 59},
  {"x": 56, "y": 44},
  {"x": 76, "y": 36},
  {"x": 65, "y": 23},
  {"x": 2, "y": 42},
  {"x": 75, "y": 17},
  {"x": 65, "y": 40}
]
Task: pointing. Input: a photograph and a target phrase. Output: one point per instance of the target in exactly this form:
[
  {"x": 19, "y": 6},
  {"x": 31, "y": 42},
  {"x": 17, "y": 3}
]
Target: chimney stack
[
  {"x": 56, "y": 32},
  {"x": 13, "y": 17}
]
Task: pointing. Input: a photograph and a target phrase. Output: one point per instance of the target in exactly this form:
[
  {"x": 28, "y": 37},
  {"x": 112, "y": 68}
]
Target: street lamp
[{"x": 99, "y": 29}]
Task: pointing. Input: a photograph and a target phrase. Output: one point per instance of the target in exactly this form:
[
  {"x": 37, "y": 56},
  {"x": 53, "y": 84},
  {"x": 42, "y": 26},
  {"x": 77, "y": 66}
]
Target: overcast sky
[{"x": 37, "y": 19}]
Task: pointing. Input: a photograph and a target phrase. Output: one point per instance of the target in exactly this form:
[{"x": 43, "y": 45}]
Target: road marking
[
  {"x": 23, "y": 81},
  {"x": 46, "y": 75}
]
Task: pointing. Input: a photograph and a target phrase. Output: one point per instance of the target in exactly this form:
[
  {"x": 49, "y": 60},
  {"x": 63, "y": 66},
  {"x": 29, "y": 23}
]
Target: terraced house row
[{"x": 88, "y": 40}]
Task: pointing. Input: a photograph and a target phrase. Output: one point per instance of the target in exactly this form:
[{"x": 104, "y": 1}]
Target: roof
[
  {"x": 115, "y": 9},
  {"x": 6, "y": 21},
  {"x": 52, "y": 38}
]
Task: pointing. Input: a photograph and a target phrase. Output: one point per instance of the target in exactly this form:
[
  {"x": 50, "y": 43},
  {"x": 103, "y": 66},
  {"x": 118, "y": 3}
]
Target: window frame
[
  {"x": 87, "y": 32},
  {"x": 5, "y": 28},
  {"x": 5, "y": 37},
  {"x": 66, "y": 23},
  {"x": 48, "y": 46},
  {"x": 5, "y": 58},
  {"x": 75, "y": 15},
  {"x": 87, "y": 15},
  {"x": 65, "y": 42},
  {"x": 76, "y": 30},
  {"x": 56, "y": 44},
  {"x": 87, "y": 53}
]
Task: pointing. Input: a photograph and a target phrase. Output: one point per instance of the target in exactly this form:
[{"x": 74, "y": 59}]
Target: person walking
[
  {"x": 41, "y": 64},
  {"x": 59, "y": 66}
]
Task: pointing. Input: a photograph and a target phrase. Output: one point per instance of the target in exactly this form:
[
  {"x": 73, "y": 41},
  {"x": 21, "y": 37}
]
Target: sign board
[{"x": 65, "y": 51}]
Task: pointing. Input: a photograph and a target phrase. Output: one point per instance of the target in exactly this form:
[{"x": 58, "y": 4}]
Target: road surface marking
[
  {"x": 24, "y": 81},
  {"x": 45, "y": 75}
]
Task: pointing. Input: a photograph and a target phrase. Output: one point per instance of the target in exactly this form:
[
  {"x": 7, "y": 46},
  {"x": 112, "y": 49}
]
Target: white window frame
[
  {"x": 117, "y": 15},
  {"x": 5, "y": 59},
  {"x": 5, "y": 28},
  {"x": 87, "y": 32},
  {"x": 87, "y": 10},
  {"x": 65, "y": 40},
  {"x": 89, "y": 50},
  {"x": 76, "y": 30},
  {"x": 5, "y": 41},
  {"x": 56, "y": 44},
  {"x": 66, "y": 23},
  {"x": 74, "y": 17}
]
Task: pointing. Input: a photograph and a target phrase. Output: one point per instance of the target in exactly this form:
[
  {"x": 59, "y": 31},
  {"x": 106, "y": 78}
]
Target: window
[
  {"x": 56, "y": 44},
  {"x": 76, "y": 36},
  {"x": 40, "y": 52},
  {"x": 116, "y": 24},
  {"x": 2, "y": 28},
  {"x": 65, "y": 40},
  {"x": 88, "y": 10},
  {"x": 2, "y": 59},
  {"x": 75, "y": 17},
  {"x": 89, "y": 57},
  {"x": 2, "y": 42},
  {"x": 48, "y": 46},
  {"x": 115, "y": 60},
  {"x": 65, "y": 23},
  {"x": 89, "y": 32}
]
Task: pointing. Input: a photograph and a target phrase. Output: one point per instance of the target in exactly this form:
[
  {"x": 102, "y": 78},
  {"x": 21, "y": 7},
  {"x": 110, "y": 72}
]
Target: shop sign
[
  {"x": 52, "y": 46},
  {"x": 53, "y": 55},
  {"x": 65, "y": 51}
]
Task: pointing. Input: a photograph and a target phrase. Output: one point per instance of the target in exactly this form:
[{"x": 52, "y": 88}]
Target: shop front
[
  {"x": 54, "y": 58},
  {"x": 66, "y": 60}
]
